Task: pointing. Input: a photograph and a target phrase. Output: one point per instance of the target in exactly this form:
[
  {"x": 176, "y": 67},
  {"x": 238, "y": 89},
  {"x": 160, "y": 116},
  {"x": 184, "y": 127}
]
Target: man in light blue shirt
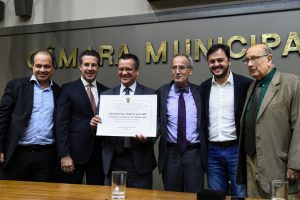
[
  {"x": 26, "y": 123},
  {"x": 182, "y": 149}
]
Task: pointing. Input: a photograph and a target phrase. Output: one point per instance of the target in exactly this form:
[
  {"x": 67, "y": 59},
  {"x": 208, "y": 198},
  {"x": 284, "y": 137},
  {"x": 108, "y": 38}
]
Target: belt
[
  {"x": 189, "y": 146},
  {"x": 228, "y": 143},
  {"x": 35, "y": 147}
]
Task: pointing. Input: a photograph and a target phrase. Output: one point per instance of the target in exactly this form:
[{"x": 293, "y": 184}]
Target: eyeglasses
[
  {"x": 128, "y": 70},
  {"x": 180, "y": 68},
  {"x": 253, "y": 59}
]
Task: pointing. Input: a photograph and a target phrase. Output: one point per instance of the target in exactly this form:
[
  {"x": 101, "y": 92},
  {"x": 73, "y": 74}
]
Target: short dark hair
[
  {"x": 43, "y": 51},
  {"x": 133, "y": 57},
  {"x": 216, "y": 47},
  {"x": 89, "y": 52}
]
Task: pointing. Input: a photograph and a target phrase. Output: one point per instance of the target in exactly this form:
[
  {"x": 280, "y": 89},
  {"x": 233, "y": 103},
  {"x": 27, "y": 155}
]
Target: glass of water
[{"x": 118, "y": 184}]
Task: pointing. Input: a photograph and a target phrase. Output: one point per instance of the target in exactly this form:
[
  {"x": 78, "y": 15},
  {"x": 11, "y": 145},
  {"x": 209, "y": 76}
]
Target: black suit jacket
[
  {"x": 15, "y": 113},
  {"x": 162, "y": 95},
  {"x": 74, "y": 111},
  {"x": 241, "y": 85},
  {"x": 143, "y": 153}
]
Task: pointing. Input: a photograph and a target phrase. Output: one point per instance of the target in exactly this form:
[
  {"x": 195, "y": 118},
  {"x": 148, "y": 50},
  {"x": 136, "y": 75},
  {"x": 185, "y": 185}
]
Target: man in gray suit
[
  {"x": 182, "y": 148},
  {"x": 270, "y": 126},
  {"x": 134, "y": 155}
]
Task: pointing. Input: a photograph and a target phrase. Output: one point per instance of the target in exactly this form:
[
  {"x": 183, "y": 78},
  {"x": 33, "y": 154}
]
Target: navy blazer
[
  {"x": 15, "y": 113},
  {"x": 241, "y": 84},
  {"x": 142, "y": 153},
  {"x": 75, "y": 136},
  {"x": 162, "y": 95}
]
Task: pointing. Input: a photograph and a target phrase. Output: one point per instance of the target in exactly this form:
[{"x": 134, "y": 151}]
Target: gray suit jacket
[
  {"x": 277, "y": 132},
  {"x": 143, "y": 153},
  {"x": 162, "y": 95}
]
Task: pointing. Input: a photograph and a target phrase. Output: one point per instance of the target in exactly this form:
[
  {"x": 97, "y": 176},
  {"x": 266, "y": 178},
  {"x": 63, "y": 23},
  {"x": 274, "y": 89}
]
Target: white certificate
[{"x": 127, "y": 115}]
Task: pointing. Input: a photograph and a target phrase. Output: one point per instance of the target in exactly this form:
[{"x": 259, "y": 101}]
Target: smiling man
[
  {"x": 78, "y": 147},
  {"x": 182, "y": 147},
  {"x": 270, "y": 126},
  {"x": 27, "y": 112},
  {"x": 223, "y": 97},
  {"x": 132, "y": 154}
]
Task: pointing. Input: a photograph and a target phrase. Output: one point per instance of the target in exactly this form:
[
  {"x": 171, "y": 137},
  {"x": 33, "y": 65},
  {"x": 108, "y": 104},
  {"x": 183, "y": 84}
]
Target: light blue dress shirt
[
  {"x": 192, "y": 133},
  {"x": 40, "y": 127}
]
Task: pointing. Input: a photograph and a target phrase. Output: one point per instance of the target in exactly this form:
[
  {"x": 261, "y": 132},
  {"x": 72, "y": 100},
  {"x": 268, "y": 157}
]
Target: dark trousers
[
  {"x": 124, "y": 162},
  {"x": 31, "y": 164},
  {"x": 183, "y": 172},
  {"x": 93, "y": 170}
]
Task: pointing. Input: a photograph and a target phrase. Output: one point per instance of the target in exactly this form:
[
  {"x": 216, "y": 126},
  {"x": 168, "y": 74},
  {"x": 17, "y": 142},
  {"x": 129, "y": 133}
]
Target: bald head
[{"x": 259, "y": 61}]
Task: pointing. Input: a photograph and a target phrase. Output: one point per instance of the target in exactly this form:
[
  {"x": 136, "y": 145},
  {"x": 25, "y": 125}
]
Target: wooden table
[{"x": 11, "y": 190}]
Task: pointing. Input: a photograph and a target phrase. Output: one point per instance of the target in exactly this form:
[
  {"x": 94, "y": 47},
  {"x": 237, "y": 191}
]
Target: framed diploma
[{"x": 127, "y": 115}]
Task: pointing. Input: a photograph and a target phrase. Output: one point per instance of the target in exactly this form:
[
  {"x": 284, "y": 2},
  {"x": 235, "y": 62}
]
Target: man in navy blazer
[
  {"x": 78, "y": 147},
  {"x": 134, "y": 155},
  {"x": 182, "y": 166},
  {"x": 223, "y": 99},
  {"x": 27, "y": 113}
]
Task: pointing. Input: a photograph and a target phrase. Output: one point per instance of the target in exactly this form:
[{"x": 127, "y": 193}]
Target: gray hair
[{"x": 188, "y": 57}]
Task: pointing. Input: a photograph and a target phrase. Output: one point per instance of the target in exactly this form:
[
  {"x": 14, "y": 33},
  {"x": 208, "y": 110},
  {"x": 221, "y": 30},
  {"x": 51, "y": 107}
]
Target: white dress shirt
[
  {"x": 93, "y": 88},
  {"x": 221, "y": 111},
  {"x": 132, "y": 89}
]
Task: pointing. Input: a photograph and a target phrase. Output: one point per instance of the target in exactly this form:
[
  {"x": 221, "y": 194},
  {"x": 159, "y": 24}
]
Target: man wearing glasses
[
  {"x": 270, "y": 126},
  {"x": 182, "y": 148},
  {"x": 134, "y": 155}
]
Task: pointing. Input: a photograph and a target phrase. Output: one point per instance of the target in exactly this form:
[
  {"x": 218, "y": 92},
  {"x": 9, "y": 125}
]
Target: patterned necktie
[
  {"x": 123, "y": 142},
  {"x": 181, "y": 124},
  {"x": 127, "y": 90},
  {"x": 250, "y": 123},
  {"x": 91, "y": 97}
]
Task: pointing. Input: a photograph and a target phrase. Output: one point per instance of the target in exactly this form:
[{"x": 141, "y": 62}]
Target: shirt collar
[
  {"x": 229, "y": 80},
  {"x": 85, "y": 83},
  {"x": 33, "y": 79},
  {"x": 267, "y": 79},
  {"x": 186, "y": 88},
  {"x": 132, "y": 87}
]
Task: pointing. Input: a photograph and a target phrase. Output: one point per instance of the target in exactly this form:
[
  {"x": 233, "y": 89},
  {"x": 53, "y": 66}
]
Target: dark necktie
[
  {"x": 249, "y": 139},
  {"x": 127, "y": 90},
  {"x": 91, "y": 97},
  {"x": 123, "y": 142},
  {"x": 181, "y": 124}
]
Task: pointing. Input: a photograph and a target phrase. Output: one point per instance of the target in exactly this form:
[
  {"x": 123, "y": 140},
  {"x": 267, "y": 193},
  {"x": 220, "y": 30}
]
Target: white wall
[{"x": 47, "y": 11}]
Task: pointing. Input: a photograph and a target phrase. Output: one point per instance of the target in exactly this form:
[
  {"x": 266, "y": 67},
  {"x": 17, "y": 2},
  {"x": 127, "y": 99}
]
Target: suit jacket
[
  {"x": 75, "y": 136},
  {"x": 277, "y": 132},
  {"x": 162, "y": 95},
  {"x": 143, "y": 153},
  {"x": 15, "y": 113},
  {"x": 241, "y": 85}
]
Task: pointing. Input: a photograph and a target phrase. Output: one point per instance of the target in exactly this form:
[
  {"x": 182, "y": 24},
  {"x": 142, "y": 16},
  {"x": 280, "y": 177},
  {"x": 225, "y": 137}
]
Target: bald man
[{"x": 270, "y": 126}]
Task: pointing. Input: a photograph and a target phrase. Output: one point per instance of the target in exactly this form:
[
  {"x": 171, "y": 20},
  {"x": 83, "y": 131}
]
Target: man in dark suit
[
  {"x": 223, "y": 99},
  {"x": 182, "y": 148},
  {"x": 27, "y": 113},
  {"x": 77, "y": 145},
  {"x": 134, "y": 155}
]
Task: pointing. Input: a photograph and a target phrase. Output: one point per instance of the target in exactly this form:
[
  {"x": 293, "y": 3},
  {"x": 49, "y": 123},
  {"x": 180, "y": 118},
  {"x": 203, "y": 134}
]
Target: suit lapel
[
  {"x": 138, "y": 89},
  {"x": 236, "y": 94},
  {"x": 82, "y": 93},
  {"x": 270, "y": 93},
  {"x": 249, "y": 92},
  {"x": 29, "y": 96}
]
